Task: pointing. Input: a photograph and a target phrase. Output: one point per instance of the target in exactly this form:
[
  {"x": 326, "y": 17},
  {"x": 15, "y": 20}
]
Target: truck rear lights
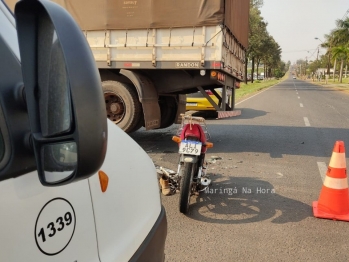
[
  {"x": 218, "y": 76},
  {"x": 217, "y": 65}
]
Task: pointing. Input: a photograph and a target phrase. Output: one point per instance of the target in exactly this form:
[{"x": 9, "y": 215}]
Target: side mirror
[{"x": 63, "y": 91}]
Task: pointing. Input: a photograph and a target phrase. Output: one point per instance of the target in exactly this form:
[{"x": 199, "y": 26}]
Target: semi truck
[{"x": 151, "y": 53}]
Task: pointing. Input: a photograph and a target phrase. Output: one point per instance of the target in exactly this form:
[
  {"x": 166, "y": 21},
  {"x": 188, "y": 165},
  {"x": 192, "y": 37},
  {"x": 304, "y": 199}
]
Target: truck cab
[{"x": 73, "y": 185}]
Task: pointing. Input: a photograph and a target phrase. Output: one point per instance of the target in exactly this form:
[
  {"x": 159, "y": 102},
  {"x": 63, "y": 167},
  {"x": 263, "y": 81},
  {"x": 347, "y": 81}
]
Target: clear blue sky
[{"x": 295, "y": 23}]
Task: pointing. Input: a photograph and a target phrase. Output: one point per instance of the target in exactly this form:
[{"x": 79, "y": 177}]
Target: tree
[
  {"x": 256, "y": 3},
  {"x": 262, "y": 47},
  {"x": 341, "y": 53},
  {"x": 340, "y": 40}
]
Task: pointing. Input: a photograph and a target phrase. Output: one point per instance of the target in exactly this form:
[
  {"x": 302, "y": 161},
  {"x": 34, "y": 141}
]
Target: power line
[
  {"x": 294, "y": 51},
  {"x": 313, "y": 53}
]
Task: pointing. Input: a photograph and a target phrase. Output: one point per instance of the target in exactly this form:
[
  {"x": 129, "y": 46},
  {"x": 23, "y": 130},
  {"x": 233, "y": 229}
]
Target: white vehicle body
[{"x": 79, "y": 222}]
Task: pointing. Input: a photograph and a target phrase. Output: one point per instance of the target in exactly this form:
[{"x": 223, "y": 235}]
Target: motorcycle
[{"x": 191, "y": 178}]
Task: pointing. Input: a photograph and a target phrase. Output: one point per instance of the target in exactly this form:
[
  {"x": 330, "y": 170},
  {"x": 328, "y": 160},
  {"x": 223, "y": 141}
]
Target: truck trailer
[{"x": 151, "y": 53}]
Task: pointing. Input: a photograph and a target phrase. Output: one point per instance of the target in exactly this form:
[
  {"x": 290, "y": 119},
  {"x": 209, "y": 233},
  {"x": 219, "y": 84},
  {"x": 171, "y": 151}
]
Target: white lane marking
[
  {"x": 254, "y": 95},
  {"x": 306, "y": 121},
  {"x": 301, "y": 105},
  {"x": 299, "y": 97},
  {"x": 322, "y": 169}
]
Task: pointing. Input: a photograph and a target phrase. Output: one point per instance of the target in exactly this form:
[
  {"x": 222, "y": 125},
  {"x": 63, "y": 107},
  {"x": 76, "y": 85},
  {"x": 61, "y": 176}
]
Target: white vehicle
[{"x": 65, "y": 194}]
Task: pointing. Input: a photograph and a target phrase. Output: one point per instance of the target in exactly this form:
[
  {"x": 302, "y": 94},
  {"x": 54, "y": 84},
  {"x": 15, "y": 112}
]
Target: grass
[
  {"x": 331, "y": 82},
  {"x": 249, "y": 89},
  {"x": 344, "y": 86}
]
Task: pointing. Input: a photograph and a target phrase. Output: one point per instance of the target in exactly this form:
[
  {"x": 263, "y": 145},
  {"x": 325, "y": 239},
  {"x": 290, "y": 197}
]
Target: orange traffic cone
[{"x": 334, "y": 197}]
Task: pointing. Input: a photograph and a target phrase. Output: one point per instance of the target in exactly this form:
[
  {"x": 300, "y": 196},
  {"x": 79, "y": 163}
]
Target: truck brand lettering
[
  {"x": 130, "y": 2},
  {"x": 188, "y": 64}
]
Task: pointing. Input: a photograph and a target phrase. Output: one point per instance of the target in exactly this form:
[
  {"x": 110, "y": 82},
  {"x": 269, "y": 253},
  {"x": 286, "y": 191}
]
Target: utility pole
[
  {"x": 317, "y": 63},
  {"x": 329, "y": 58},
  {"x": 305, "y": 69}
]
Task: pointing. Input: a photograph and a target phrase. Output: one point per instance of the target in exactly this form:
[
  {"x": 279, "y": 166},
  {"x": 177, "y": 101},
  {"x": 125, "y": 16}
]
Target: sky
[{"x": 295, "y": 23}]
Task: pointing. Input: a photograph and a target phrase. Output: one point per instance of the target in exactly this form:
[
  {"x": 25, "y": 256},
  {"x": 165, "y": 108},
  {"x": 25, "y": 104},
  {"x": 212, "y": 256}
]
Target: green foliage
[
  {"x": 279, "y": 73},
  {"x": 340, "y": 52},
  {"x": 248, "y": 89},
  {"x": 256, "y": 3},
  {"x": 262, "y": 46}
]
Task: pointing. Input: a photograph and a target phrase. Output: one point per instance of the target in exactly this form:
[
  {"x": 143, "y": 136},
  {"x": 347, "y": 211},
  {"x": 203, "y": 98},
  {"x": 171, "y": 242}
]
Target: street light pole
[{"x": 328, "y": 53}]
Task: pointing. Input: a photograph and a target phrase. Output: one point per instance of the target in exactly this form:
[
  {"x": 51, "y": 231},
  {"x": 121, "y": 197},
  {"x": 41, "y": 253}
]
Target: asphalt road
[{"x": 272, "y": 155}]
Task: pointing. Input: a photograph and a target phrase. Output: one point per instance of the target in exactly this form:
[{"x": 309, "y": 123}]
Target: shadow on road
[
  {"x": 274, "y": 140},
  {"x": 249, "y": 113},
  {"x": 246, "y": 113},
  {"x": 241, "y": 200}
]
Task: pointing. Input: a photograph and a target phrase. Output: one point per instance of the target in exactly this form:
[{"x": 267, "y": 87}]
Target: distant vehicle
[{"x": 294, "y": 77}]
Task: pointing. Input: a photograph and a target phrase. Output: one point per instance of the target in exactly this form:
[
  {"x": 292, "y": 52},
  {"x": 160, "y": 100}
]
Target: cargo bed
[{"x": 206, "y": 47}]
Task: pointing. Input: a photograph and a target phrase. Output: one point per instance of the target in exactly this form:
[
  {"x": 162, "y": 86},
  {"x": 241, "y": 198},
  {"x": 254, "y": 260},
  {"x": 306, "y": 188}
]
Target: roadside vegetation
[
  {"x": 251, "y": 88},
  {"x": 335, "y": 62},
  {"x": 262, "y": 48}
]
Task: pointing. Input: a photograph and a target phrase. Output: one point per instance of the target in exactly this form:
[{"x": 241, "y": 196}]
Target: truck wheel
[
  {"x": 122, "y": 104},
  {"x": 168, "y": 109},
  {"x": 186, "y": 186},
  {"x": 139, "y": 124}
]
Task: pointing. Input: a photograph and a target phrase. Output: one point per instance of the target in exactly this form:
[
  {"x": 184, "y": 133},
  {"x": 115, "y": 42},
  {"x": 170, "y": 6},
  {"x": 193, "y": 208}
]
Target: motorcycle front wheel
[{"x": 186, "y": 185}]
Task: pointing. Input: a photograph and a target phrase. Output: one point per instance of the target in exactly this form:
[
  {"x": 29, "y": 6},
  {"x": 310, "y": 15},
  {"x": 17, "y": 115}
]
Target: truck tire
[
  {"x": 185, "y": 188},
  {"x": 122, "y": 105},
  {"x": 168, "y": 109},
  {"x": 139, "y": 124}
]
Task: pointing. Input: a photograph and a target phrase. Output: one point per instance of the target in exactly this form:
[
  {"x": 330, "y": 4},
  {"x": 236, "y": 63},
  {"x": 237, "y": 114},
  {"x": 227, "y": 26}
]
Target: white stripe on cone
[
  {"x": 336, "y": 183},
  {"x": 338, "y": 160}
]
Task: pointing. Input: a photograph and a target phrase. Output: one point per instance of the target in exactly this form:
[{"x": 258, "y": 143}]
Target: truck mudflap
[
  {"x": 148, "y": 96},
  {"x": 182, "y": 102},
  {"x": 153, "y": 246}
]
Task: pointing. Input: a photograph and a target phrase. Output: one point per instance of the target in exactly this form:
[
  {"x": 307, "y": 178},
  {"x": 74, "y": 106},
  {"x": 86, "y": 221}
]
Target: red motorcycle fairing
[{"x": 194, "y": 130}]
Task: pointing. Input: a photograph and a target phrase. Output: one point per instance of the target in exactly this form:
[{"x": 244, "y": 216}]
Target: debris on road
[{"x": 216, "y": 157}]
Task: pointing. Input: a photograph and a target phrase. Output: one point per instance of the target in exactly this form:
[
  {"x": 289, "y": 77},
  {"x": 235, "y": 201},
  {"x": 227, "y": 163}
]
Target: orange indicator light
[{"x": 103, "y": 180}]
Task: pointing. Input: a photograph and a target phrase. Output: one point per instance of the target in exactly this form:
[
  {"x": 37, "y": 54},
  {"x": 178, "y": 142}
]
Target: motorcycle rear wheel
[{"x": 186, "y": 185}]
